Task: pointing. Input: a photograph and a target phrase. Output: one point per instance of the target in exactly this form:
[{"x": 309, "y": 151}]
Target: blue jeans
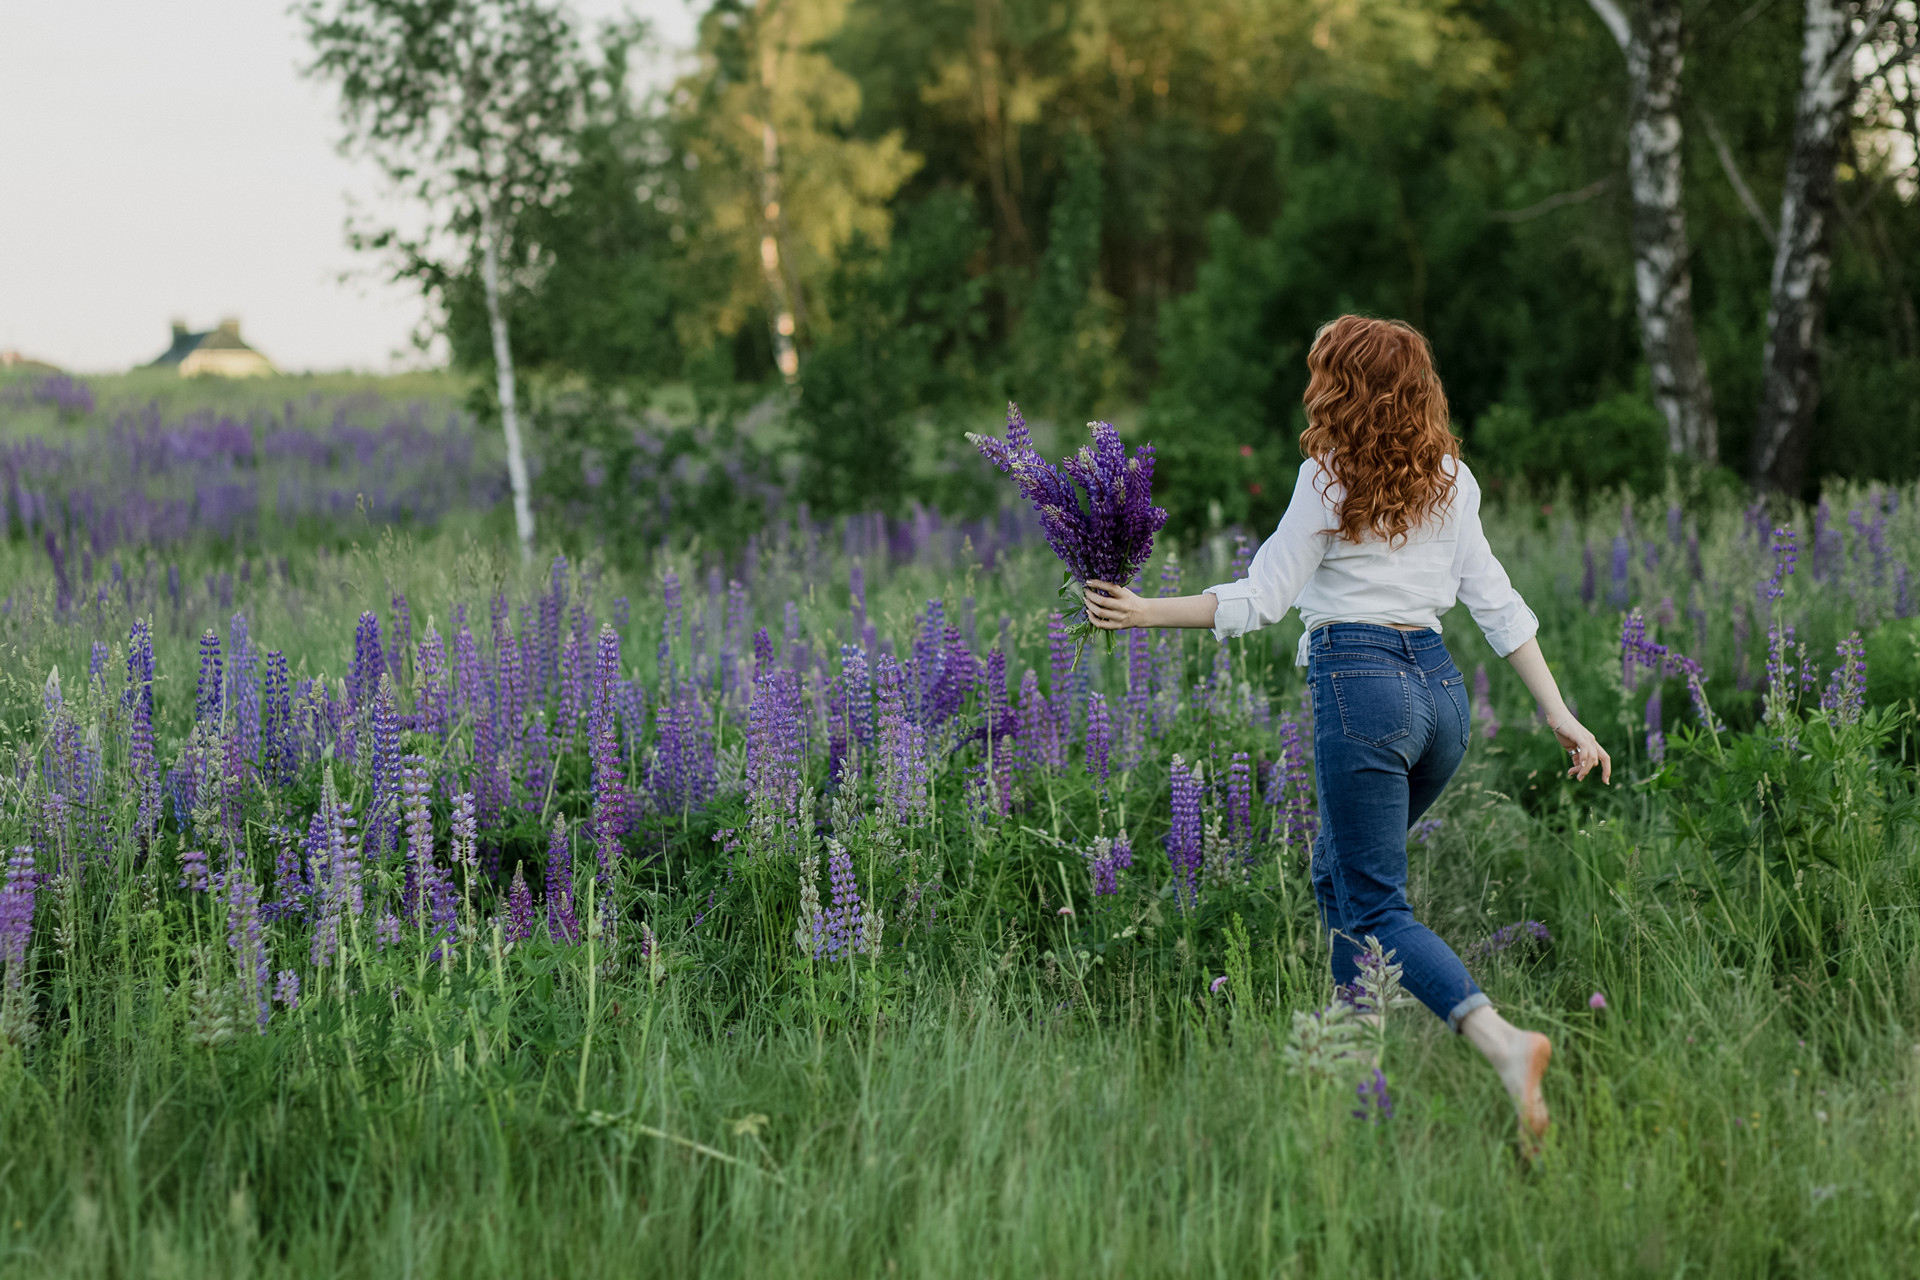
[{"x": 1390, "y": 727}]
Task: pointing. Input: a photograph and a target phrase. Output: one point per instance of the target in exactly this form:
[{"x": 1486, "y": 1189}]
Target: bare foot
[
  {"x": 1522, "y": 1072},
  {"x": 1520, "y": 1058}
]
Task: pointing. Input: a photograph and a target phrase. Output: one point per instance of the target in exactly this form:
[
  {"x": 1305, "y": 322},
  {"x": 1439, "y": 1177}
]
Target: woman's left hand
[{"x": 1115, "y": 608}]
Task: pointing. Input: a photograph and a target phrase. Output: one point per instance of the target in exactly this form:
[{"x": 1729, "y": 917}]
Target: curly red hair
[{"x": 1377, "y": 419}]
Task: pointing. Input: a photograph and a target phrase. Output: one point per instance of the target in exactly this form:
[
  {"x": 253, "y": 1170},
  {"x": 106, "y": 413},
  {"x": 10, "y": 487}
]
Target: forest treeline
[{"x": 880, "y": 217}]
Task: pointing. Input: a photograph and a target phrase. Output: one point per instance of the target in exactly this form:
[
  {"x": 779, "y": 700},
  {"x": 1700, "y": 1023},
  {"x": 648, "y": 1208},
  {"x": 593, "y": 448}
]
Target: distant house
[
  {"x": 14, "y": 360},
  {"x": 218, "y": 352}
]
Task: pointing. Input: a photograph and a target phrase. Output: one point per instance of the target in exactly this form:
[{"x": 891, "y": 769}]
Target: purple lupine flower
[
  {"x": 1676, "y": 523},
  {"x": 1902, "y": 592},
  {"x": 1826, "y": 544},
  {"x": 1300, "y": 815},
  {"x": 1108, "y": 537},
  {"x": 670, "y": 623},
  {"x": 609, "y": 778},
  {"x": 1099, "y": 739},
  {"x": 1622, "y": 558},
  {"x": 1186, "y": 843},
  {"x": 279, "y": 757},
  {"x": 1036, "y": 724},
  {"x": 142, "y": 761},
  {"x": 402, "y": 639},
  {"x": 193, "y": 870},
  {"x": 243, "y": 688},
  {"x": 1482, "y": 707},
  {"x": 1001, "y": 731},
  {"x": 289, "y": 875},
  {"x": 622, "y": 612},
  {"x": 1785, "y": 556},
  {"x": 841, "y": 924},
  {"x": 573, "y": 693},
  {"x": 423, "y": 872},
  {"x": 1846, "y": 694},
  {"x": 1105, "y": 858},
  {"x": 369, "y": 664},
  {"x": 1587, "y": 588},
  {"x": 562, "y": 926},
  {"x": 474, "y": 695},
  {"x": 901, "y": 747},
  {"x": 519, "y": 923},
  {"x": 209, "y": 693},
  {"x": 1506, "y": 936},
  {"x": 286, "y": 990},
  {"x": 1656, "y": 735},
  {"x": 335, "y": 875},
  {"x": 1376, "y": 1104},
  {"x": 16, "y": 916},
  {"x": 383, "y": 818},
  {"x": 1240, "y": 803},
  {"x": 927, "y": 654},
  {"x": 434, "y": 704},
  {"x": 248, "y": 943},
  {"x": 465, "y": 838}
]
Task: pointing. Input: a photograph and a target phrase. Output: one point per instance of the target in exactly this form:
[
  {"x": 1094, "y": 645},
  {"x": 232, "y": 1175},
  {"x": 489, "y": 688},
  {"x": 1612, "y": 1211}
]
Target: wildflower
[
  {"x": 1785, "y": 556},
  {"x": 1506, "y": 936},
  {"x": 1656, "y": 738},
  {"x": 1376, "y": 1104},
  {"x": 245, "y": 938},
  {"x": 1846, "y": 694},
  {"x": 1064, "y": 911},
  {"x": 1596, "y": 1001},
  {"x": 1240, "y": 803},
  {"x": 519, "y": 924},
  {"x": 286, "y": 989},
  {"x": 16, "y": 915},
  {"x": 1622, "y": 560},
  {"x": 1424, "y": 831},
  {"x": 1186, "y": 849},
  {"x": 1109, "y": 537},
  {"x": 1099, "y": 738},
  {"x": 562, "y": 925},
  {"x": 1217, "y": 985},
  {"x": 369, "y": 664}
]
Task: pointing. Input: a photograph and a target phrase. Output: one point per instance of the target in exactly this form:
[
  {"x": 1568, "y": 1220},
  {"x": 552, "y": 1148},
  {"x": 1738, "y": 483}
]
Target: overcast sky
[{"x": 163, "y": 158}]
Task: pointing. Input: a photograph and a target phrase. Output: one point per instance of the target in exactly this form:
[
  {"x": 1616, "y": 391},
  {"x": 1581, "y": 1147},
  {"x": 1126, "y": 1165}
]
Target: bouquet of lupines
[{"x": 1108, "y": 535}]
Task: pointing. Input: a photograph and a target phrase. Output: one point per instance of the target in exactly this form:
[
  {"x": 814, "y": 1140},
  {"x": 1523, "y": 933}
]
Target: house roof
[{"x": 224, "y": 337}]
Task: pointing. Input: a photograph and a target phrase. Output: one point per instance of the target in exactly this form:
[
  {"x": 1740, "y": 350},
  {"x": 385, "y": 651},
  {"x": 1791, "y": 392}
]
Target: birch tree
[
  {"x": 1649, "y": 36},
  {"x": 468, "y": 107},
  {"x": 1832, "y": 38},
  {"x": 786, "y": 181}
]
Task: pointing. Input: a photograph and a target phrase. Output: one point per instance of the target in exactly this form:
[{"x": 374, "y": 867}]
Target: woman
[{"x": 1382, "y": 537}]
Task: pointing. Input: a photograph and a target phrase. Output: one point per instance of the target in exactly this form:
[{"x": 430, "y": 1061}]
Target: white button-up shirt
[{"x": 1333, "y": 580}]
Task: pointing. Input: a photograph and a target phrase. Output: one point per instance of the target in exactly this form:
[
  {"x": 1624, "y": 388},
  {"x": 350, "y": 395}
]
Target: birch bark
[
  {"x": 503, "y": 374},
  {"x": 1662, "y": 277},
  {"x": 1803, "y": 253}
]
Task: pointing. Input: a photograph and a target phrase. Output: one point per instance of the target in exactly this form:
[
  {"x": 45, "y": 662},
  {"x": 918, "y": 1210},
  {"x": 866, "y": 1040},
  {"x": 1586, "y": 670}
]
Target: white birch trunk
[
  {"x": 503, "y": 372},
  {"x": 1803, "y": 258},
  {"x": 1662, "y": 277}
]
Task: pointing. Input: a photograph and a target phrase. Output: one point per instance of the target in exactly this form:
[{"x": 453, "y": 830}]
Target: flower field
[{"x": 387, "y": 907}]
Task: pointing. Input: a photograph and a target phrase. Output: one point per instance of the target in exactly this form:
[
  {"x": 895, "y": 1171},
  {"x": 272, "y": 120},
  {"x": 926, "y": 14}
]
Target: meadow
[{"x": 377, "y": 904}]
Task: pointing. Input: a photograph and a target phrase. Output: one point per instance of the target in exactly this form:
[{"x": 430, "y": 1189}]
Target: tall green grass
[{"x": 1015, "y": 1092}]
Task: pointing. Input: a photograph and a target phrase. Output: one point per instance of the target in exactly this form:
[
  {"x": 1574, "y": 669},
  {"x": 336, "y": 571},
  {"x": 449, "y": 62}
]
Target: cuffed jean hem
[{"x": 1459, "y": 1012}]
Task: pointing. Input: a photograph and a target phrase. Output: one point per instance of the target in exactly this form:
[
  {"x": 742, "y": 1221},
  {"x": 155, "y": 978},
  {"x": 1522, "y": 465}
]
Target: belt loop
[{"x": 1406, "y": 643}]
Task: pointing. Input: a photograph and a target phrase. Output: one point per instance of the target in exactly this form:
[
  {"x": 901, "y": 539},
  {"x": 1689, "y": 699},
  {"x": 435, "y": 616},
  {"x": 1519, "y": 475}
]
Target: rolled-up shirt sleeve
[
  {"x": 1503, "y": 617},
  {"x": 1282, "y": 566}
]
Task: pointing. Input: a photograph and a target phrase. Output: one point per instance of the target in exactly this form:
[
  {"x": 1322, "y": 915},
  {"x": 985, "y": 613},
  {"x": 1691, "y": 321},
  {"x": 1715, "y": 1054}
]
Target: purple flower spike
[{"x": 1108, "y": 534}]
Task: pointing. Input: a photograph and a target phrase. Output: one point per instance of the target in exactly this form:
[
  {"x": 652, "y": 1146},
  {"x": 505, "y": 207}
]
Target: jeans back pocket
[{"x": 1376, "y": 707}]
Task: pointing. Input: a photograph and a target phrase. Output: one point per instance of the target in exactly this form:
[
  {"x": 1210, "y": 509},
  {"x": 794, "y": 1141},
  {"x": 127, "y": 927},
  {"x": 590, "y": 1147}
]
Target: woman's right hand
[
  {"x": 1585, "y": 749},
  {"x": 1115, "y": 608}
]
